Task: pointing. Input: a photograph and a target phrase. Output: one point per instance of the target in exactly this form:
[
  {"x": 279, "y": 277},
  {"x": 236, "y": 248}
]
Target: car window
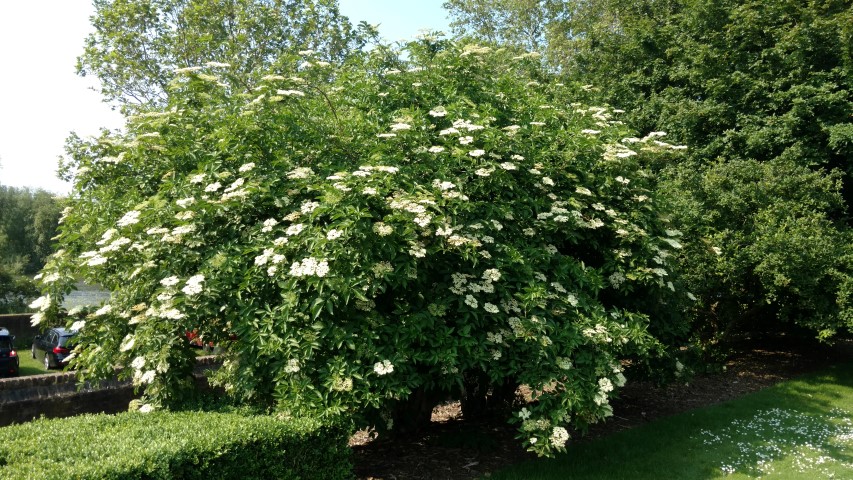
[
  {"x": 67, "y": 342},
  {"x": 5, "y": 343}
]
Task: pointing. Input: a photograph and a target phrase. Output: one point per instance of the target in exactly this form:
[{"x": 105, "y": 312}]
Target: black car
[
  {"x": 54, "y": 346},
  {"x": 9, "y": 361}
]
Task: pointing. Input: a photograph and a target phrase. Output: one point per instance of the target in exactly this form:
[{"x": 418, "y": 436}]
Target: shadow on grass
[
  {"x": 29, "y": 365},
  {"x": 796, "y": 429}
]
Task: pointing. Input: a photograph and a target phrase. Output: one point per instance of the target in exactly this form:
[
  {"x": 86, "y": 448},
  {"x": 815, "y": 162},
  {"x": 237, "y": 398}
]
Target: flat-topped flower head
[
  {"x": 383, "y": 368},
  {"x": 193, "y": 285}
]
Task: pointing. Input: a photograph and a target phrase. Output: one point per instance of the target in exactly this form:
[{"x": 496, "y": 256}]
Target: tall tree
[
  {"x": 15, "y": 292},
  {"x": 523, "y": 23},
  {"x": 28, "y": 222},
  {"x": 761, "y": 93},
  {"x": 556, "y": 28},
  {"x": 137, "y": 44}
]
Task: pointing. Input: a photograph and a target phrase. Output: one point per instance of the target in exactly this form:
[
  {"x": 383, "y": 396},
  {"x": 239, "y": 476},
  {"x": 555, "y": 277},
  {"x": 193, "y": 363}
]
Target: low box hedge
[{"x": 174, "y": 445}]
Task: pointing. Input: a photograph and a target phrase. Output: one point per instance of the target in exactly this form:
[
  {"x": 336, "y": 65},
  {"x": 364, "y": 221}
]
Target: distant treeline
[{"x": 28, "y": 222}]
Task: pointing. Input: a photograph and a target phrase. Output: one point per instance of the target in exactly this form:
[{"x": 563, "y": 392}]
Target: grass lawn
[
  {"x": 29, "y": 365},
  {"x": 797, "y": 429}
]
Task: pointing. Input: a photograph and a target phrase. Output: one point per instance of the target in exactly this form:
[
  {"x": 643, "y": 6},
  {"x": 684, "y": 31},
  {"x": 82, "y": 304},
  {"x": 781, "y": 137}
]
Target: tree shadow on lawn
[
  {"x": 802, "y": 428},
  {"x": 453, "y": 448}
]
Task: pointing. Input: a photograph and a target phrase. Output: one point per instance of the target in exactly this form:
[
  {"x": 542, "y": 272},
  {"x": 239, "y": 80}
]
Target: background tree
[
  {"x": 557, "y": 28},
  {"x": 137, "y": 44},
  {"x": 521, "y": 23},
  {"x": 761, "y": 93},
  {"x": 28, "y": 222},
  {"x": 16, "y": 292}
]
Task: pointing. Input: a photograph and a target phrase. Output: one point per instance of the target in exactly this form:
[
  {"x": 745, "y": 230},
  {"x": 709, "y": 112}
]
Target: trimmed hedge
[{"x": 174, "y": 445}]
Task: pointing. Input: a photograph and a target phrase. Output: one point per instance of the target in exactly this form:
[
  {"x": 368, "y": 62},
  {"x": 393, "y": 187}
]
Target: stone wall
[{"x": 57, "y": 395}]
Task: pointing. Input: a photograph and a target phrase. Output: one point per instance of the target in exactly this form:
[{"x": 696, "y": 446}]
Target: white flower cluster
[
  {"x": 129, "y": 218},
  {"x": 517, "y": 327},
  {"x": 127, "y": 343},
  {"x": 598, "y": 333},
  {"x": 234, "y": 190},
  {"x": 292, "y": 366},
  {"x": 294, "y": 229},
  {"x": 379, "y": 168},
  {"x": 564, "y": 363},
  {"x": 492, "y": 275},
  {"x": 492, "y": 337},
  {"x": 309, "y": 266},
  {"x": 438, "y": 111},
  {"x": 342, "y": 385},
  {"x": 269, "y": 255},
  {"x": 383, "y": 368},
  {"x": 604, "y": 386},
  {"x": 140, "y": 377},
  {"x": 470, "y": 301},
  {"x": 301, "y": 172},
  {"x": 443, "y": 185},
  {"x": 559, "y": 437},
  {"x": 193, "y": 285},
  {"x": 616, "y": 279},
  {"x": 290, "y": 93},
  {"x": 42, "y": 304},
  {"x": 417, "y": 249},
  {"x": 269, "y": 224},
  {"x": 381, "y": 269},
  {"x": 308, "y": 206},
  {"x": 491, "y": 308},
  {"x": 382, "y": 229}
]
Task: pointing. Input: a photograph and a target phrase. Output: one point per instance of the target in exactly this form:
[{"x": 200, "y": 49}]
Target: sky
[{"x": 43, "y": 100}]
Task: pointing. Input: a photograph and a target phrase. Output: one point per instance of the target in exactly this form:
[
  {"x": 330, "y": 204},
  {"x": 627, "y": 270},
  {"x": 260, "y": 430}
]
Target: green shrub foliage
[
  {"x": 164, "y": 445},
  {"x": 351, "y": 236}
]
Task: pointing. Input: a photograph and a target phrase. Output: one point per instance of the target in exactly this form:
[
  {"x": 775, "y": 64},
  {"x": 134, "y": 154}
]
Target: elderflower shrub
[{"x": 398, "y": 223}]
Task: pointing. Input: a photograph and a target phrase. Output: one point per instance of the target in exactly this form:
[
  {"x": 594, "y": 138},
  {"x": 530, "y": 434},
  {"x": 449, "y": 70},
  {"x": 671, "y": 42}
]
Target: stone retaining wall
[{"x": 57, "y": 395}]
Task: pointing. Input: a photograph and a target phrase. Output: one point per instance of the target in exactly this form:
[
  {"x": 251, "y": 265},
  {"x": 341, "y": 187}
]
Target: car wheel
[{"x": 47, "y": 361}]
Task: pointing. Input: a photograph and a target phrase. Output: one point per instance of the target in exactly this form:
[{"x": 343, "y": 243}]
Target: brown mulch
[{"x": 454, "y": 449}]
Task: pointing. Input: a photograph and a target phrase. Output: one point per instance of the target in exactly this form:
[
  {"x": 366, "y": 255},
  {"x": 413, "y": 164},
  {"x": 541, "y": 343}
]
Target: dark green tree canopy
[
  {"x": 760, "y": 92},
  {"x": 736, "y": 79}
]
